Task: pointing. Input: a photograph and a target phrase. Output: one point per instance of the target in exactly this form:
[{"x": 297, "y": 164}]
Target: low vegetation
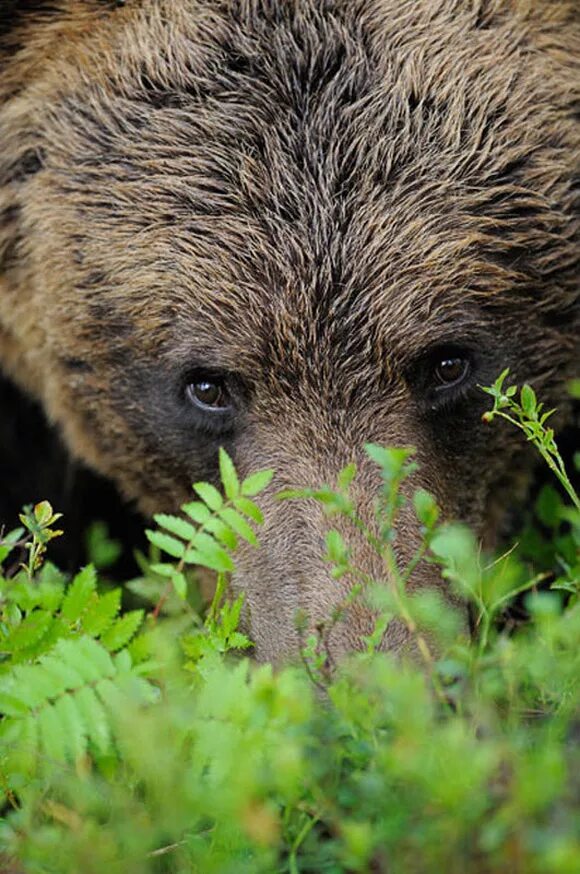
[{"x": 145, "y": 740}]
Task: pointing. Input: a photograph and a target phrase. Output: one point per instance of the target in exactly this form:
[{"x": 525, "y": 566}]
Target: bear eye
[
  {"x": 451, "y": 370},
  {"x": 209, "y": 393}
]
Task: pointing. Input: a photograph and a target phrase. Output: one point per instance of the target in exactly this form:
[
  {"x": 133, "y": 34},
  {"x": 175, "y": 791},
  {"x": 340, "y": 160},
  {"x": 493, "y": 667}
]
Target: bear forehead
[{"x": 279, "y": 172}]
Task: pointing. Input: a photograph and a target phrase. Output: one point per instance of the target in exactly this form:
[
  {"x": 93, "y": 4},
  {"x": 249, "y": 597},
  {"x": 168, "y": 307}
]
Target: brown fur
[{"x": 310, "y": 195}]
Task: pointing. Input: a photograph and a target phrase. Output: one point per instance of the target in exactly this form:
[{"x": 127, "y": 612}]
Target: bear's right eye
[{"x": 209, "y": 393}]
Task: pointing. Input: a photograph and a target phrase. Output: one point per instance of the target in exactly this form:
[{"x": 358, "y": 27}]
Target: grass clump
[{"x": 147, "y": 741}]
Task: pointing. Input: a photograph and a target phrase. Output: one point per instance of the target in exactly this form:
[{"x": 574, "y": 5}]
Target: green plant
[{"x": 169, "y": 751}]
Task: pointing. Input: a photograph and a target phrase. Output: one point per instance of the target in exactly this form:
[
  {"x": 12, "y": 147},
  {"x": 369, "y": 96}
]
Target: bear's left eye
[
  {"x": 209, "y": 393},
  {"x": 450, "y": 371}
]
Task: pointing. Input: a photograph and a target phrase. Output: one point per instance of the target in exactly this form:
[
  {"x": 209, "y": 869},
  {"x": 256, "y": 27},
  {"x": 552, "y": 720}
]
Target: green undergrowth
[{"x": 146, "y": 740}]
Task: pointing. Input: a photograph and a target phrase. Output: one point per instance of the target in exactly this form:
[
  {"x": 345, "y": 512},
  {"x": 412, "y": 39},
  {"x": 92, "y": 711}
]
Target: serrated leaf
[
  {"x": 11, "y": 705},
  {"x": 101, "y": 613},
  {"x": 79, "y": 594},
  {"x": 214, "y": 560},
  {"x": 256, "y": 483},
  {"x": 95, "y": 718},
  {"x": 239, "y": 525},
  {"x": 64, "y": 677},
  {"x": 249, "y": 509},
  {"x": 167, "y": 543},
  {"x": 175, "y": 525},
  {"x": 209, "y": 494},
  {"x": 121, "y": 632},
  {"x": 198, "y": 511},
  {"x": 50, "y": 596},
  {"x": 73, "y": 726},
  {"x": 222, "y": 532},
  {"x": 52, "y": 737},
  {"x": 32, "y": 629},
  {"x": 228, "y": 474},
  {"x": 88, "y": 657},
  {"x": 30, "y": 683}
]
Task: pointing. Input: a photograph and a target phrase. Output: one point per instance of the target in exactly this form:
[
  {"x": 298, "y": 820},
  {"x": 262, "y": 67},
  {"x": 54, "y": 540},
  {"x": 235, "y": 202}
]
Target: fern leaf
[
  {"x": 95, "y": 718},
  {"x": 72, "y": 726},
  {"x": 63, "y": 676},
  {"x": 198, "y": 511},
  {"x": 249, "y": 509},
  {"x": 239, "y": 525},
  {"x": 90, "y": 658},
  {"x": 29, "y": 631},
  {"x": 211, "y": 556},
  {"x": 167, "y": 543},
  {"x": 222, "y": 532},
  {"x": 79, "y": 594},
  {"x": 30, "y": 684},
  {"x": 209, "y": 494},
  {"x": 101, "y": 613},
  {"x": 175, "y": 525},
  {"x": 121, "y": 632},
  {"x": 11, "y": 705},
  {"x": 256, "y": 482},
  {"x": 228, "y": 475},
  {"x": 51, "y": 735}
]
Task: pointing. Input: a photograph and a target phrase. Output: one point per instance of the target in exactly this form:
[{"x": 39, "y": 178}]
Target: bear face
[{"x": 290, "y": 229}]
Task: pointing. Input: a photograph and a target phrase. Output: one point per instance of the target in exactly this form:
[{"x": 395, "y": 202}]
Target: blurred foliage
[{"x": 146, "y": 741}]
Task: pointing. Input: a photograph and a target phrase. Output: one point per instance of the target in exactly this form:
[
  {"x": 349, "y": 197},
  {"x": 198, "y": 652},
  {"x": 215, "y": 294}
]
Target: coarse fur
[{"x": 317, "y": 199}]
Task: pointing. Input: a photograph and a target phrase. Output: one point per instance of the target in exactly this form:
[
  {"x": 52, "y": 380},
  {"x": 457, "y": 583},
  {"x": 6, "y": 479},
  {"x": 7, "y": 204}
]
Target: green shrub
[{"x": 146, "y": 741}]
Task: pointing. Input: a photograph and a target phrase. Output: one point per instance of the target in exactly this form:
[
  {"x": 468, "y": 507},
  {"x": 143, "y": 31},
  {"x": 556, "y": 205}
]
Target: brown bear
[{"x": 290, "y": 227}]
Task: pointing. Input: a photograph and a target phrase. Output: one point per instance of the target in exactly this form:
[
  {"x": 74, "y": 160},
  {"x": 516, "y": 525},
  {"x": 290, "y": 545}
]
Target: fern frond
[{"x": 64, "y": 706}]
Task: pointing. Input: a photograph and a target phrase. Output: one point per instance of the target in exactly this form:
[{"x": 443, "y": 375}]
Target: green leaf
[
  {"x": 95, "y": 718},
  {"x": 179, "y": 584},
  {"x": 87, "y": 656},
  {"x": 393, "y": 461},
  {"x": 167, "y": 543},
  {"x": 9, "y": 541},
  {"x": 528, "y": 400},
  {"x": 346, "y": 476},
  {"x": 222, "y": 532},
  {"x": 121, "y": 632},
  {"x": 249, "y": 509},
  {"x": 164, "y": 570},
  {"x": 32, "y": 629},
  {"x": 256, "y": 483},
  {"x": 426, "y": 508},
  {"x": 72, "y": 725},
  {"x": 228, "y": 474},
  {"x": 175, "y": 525},
  {"x": 101, "y": 613},
  {"x": 198, "y": 511},
  {"x": 335, "y": 546},
  {"x": 52, "y": 737},
  {"x": 209, "y": 494},
  {"x": 239, "y": 525},
  {"x": 215, "y": 559},
  {"x": 79, "y": 594}
]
